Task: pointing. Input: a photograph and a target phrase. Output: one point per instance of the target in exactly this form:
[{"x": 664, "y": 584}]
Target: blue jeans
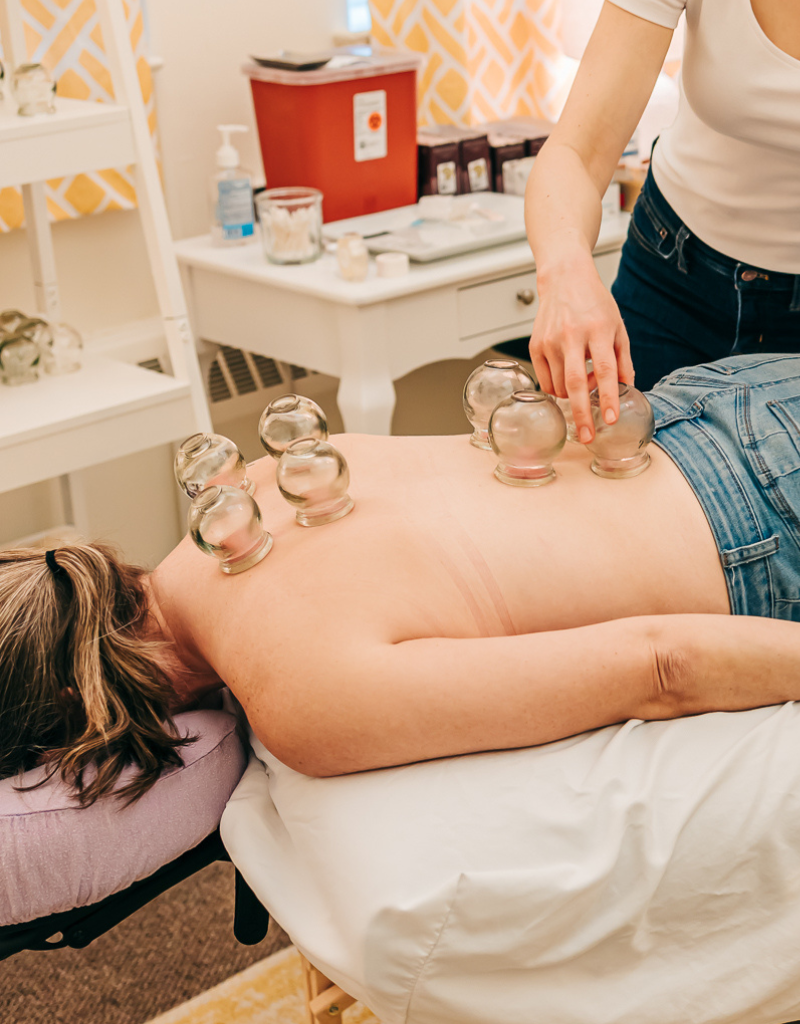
[
  {"x": 733, "y": 429},
  {"x": 685, "y": 303}
]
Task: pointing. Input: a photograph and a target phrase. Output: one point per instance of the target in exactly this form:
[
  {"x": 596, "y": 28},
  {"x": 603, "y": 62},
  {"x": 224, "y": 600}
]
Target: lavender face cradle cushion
[{"x": 57, "y": 855}]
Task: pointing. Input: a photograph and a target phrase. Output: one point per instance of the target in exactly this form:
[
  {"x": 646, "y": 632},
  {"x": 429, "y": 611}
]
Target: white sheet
[{"x": 641, "y": 874}]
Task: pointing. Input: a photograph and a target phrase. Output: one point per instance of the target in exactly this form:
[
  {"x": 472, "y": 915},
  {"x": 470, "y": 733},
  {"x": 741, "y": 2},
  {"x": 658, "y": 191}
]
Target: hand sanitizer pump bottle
[{"x": 232, "y": 218}]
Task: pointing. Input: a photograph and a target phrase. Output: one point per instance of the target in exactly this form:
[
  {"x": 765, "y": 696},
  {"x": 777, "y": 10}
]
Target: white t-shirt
[{"x": 730, "y": 163}]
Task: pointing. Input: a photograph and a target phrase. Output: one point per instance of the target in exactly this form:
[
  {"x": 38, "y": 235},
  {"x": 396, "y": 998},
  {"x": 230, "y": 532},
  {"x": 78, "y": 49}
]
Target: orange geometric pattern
[
  {"x": 484, "y": 59},
  {"x": 65, "y": 36}
]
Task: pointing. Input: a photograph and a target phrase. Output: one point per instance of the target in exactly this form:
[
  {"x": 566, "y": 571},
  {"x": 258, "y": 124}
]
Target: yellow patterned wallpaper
[
  {"x": 485, "y": 59},
  {"x": 65, "y": 36}
]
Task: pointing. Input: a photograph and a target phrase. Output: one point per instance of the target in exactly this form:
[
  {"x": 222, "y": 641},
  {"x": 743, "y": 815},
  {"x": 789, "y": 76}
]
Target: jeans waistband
[{"x": 754, "y": 277}]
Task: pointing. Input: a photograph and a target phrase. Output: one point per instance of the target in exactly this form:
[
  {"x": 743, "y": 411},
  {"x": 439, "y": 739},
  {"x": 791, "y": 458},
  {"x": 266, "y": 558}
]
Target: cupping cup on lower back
[
  {"x": 486, "y": 387},
  {"x": 620, "y": 449},
  {"x": 527, "y": 431}
]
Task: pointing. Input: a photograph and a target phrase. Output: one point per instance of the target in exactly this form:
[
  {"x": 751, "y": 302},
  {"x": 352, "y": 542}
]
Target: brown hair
[{"x": 82, "y": 686}]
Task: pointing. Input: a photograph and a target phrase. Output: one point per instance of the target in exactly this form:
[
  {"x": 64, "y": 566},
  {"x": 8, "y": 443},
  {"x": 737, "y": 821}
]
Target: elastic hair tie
[{"x": 52, "y": 564}]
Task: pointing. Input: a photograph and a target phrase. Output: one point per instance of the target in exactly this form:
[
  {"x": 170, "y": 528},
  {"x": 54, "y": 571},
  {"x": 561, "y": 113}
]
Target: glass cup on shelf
[
  {"x": 313, "y": 476},
  {"x": 527, "y": 432},
  {"x": 225, "y": 522},
  {"x": 204, "y": 460},
  {"x": 352, "y": 256},
  {"x": 289, "y": 418},
  {"x": 486, "y": 387},
  {"x": 10, "y": 319},
  {"x": 620, "y": 449},
  {"x": 18, "y": 359},
  {"x": 34, "y": 90},
  {"x": 60, "y": 346},
  {"x": 291, "y": 224}
]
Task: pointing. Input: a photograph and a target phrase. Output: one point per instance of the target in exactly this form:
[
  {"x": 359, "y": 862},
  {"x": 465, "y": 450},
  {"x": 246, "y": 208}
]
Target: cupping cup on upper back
[
  {"x": 527, "y": 432},
  {"x": 225, "y": 522},
  {"x": 313, "y": 476},
  {"x": 486, "y": 387},
  {"x": 289, "y": 418},
  {"x": 207, "y": 459},
  {"x": 620, "y": 449}
]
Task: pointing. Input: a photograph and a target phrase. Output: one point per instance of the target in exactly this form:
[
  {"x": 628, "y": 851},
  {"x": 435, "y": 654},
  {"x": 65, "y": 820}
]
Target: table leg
[{"x": 366, "y": 395}]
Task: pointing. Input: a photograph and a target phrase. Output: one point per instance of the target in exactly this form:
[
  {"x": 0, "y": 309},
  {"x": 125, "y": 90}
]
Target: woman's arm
[
  {"x": 577, "y": 316},
  {"x": 388, "y": 704}
]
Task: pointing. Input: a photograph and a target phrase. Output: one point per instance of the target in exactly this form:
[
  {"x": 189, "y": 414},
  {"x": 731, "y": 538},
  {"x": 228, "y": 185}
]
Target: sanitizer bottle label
[{"x": 235, "y": 208}]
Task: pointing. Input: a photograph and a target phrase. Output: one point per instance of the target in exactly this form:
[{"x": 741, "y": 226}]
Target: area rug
[{"x": 269, "y": 992}]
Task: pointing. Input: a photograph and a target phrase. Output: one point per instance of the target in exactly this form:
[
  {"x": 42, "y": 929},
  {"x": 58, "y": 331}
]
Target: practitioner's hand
[{"x": 578, "y": 320}]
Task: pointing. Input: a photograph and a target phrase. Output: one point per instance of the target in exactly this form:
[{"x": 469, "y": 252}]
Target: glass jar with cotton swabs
[{"x": 291, "y": 224}]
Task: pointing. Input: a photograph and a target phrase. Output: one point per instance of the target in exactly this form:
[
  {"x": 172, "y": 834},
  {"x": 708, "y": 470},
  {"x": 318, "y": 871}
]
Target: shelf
[
  {"x": 106, "y": 410},
  {"x": 80, "y": 136}
]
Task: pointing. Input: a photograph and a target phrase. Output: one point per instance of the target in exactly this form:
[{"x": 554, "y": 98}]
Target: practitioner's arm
[
  {"x": 577, "y": 316},
  {"x": 381, "y": 705}
]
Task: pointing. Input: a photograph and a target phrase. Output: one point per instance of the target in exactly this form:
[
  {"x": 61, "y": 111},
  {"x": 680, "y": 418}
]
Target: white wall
[{"x": 204, "y": 44}]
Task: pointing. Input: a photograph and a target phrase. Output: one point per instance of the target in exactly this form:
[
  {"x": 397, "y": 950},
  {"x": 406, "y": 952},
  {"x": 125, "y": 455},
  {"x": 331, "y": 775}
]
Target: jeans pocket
[
  {"x": 773, "y": 449},
  {"x": 650, "y": 231}
]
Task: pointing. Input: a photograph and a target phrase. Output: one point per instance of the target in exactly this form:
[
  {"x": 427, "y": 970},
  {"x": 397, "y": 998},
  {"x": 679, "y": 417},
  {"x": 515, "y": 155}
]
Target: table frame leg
[{"x": 366, "y": 395}]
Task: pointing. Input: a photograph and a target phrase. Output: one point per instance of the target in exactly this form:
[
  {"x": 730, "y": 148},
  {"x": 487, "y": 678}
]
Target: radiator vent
[
  {"x": 235, "y": 372},
  {"x": 152, "y": 364}
]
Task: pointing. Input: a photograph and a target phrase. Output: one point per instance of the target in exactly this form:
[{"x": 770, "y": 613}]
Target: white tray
[{"x": 403, "y": 230}]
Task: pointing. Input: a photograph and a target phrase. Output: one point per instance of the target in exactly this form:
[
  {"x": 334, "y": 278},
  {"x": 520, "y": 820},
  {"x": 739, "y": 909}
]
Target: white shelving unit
[{"x": 109, "y": 408}]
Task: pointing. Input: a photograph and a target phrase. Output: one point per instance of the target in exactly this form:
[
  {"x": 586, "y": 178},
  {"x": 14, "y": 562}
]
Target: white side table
[{"x": 371, "y": 333}]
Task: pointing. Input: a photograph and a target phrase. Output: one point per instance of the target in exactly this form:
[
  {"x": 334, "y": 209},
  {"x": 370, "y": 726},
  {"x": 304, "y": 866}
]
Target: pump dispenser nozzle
[{"x": 228, "y": 155}]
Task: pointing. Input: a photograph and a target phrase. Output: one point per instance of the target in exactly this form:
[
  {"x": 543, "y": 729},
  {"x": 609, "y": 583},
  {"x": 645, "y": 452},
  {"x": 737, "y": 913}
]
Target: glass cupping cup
[
  {"x": 620, "y": 449},
  {"x": 486, "y": 387},
  {"x": 225, "y": 522},
  {"x": 289, "y": 418},
  {"x": 527, "y": 432},
  {"x": 207, "y": 459},
  {"x": 313, "y": 476}
]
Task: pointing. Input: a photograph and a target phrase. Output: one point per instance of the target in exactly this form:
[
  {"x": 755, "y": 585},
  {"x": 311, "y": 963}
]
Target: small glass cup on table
[{"x": 291, "y": 224}]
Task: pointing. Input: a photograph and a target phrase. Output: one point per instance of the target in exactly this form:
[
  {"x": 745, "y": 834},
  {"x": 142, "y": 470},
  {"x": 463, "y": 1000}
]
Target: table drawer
[{"x": 493, "y": 305}]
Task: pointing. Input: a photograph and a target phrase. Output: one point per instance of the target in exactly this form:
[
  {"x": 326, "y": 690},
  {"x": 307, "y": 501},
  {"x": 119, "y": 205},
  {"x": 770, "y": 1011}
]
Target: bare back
[{"x": 437, "y": 547}]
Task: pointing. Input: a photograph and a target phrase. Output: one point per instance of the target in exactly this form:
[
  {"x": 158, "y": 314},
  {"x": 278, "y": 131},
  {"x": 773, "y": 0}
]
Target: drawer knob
[{"x": 526, "y": 296}]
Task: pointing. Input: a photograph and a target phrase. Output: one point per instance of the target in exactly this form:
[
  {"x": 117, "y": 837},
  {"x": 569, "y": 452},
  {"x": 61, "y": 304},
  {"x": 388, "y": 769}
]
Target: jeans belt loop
[
  {"x": 795, "y": 304},
  {"x": 680, "y": 241}
]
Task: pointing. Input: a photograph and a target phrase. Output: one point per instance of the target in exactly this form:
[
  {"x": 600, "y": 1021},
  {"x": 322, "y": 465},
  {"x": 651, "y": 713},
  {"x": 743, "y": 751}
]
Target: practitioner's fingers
[
  {"x": 541, "y": 366},
  {"x": 606, "y": 372},
  {"x": 542, "y": 372},
  {"x": 577, "y": 385},
  {"x": 622, "y": 348}
]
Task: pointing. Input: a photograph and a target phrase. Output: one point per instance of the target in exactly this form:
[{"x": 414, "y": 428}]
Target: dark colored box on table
[
  {"x": 445, "y": 150},
  {"x": 503, "y": 148}
]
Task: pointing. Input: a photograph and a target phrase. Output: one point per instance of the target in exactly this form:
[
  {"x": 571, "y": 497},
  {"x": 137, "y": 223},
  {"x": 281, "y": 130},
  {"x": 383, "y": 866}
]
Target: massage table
[{"x": 646, "y": 873}]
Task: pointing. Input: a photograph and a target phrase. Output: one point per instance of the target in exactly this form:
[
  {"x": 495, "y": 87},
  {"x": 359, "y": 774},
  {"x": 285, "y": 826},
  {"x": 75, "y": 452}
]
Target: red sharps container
[{"x": 348, "y": 128}]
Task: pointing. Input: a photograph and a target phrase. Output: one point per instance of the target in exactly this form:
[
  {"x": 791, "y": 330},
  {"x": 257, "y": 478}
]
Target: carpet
[
  {"x": 270, "y": 992},
  {"x": 179, "y": 945}
]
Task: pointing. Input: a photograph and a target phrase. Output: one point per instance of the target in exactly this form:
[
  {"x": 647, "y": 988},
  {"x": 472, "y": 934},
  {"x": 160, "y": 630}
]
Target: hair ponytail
[{"x": 82, "y": 687}]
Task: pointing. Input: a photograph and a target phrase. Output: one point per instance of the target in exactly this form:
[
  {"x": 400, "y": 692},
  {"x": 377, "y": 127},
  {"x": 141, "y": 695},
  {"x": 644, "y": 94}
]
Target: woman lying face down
[{"x": 447, "y": 614}]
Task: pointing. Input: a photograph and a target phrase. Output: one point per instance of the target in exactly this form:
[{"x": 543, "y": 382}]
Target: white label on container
[
  {"x": 369, "y": 120},
  {"x": 447, "y": 178},
  {"x": 478, "y": 175}
]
